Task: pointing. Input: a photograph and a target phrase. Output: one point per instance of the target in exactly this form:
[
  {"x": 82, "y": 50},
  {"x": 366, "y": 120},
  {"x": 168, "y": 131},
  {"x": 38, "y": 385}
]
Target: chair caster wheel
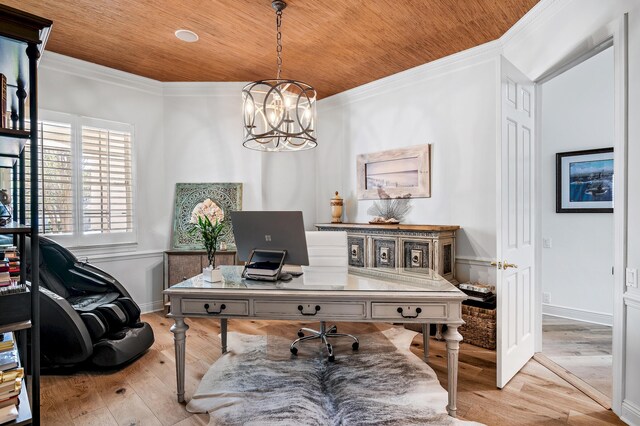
[
  {"x": 332, "y": 358},
  {"x": 300, "y": 334},
  {"x": 355, "y": 346},
  {"x": 294, "y": 351}
]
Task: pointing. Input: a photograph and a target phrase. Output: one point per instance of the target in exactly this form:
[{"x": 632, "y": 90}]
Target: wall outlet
[
  {"x": 546, "y": 297},
  {"x": 546, "y": 242},
  {"x": 632, "y": 277}
]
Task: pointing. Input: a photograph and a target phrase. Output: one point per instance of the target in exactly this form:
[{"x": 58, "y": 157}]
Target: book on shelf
[
  {"x": 475, "y": 287},
  {"x": 3, "y": 101},
  {"x": 8, "y": 414},
  {"x": 10, "y": 401},
  {"x": 6, "y": 342},
  {"x": 7, "y": 376},
  {"x": 5, "y": 279},
  {"x": 9, "y": 358},
  {"x": 10, "y": 387},
  {"x": 477, "y": 296},
  {"x": 11, "y": 253}
]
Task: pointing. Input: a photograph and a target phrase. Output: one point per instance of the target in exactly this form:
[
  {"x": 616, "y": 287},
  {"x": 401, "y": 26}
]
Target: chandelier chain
[{"x": 279, "y": 41}]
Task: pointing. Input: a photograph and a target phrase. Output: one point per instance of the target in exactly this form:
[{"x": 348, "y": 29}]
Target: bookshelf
[{"x": 22, "y": 39}]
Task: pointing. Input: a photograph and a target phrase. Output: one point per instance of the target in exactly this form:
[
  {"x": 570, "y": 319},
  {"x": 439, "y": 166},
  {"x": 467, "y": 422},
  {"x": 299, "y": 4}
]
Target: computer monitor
[{"x": 270, "y": 230}]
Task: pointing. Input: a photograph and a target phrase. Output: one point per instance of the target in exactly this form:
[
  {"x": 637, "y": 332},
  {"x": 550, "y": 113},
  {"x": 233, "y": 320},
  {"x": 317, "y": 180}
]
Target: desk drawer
[
  {"x": 319, "y": 309},
  {"x": 215, "y": 307},
  {"x": 408, "y": 311}
]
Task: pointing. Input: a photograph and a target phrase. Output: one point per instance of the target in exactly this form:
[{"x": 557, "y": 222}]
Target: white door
[{"x": 515, "y": 288}]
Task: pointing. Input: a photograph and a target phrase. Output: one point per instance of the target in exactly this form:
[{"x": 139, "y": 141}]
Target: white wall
[
  {"x": 203, "y": 140},
  {"x": 577, "y": 114},
  {"x": 450, "y": 104},
  {"x": 77, "y": 87},
  {"x": 288, "y": 183}
]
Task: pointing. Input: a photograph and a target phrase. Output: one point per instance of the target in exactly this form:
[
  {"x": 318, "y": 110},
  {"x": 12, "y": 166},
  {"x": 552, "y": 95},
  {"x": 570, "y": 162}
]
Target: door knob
[{"x": 506, "y": 265}]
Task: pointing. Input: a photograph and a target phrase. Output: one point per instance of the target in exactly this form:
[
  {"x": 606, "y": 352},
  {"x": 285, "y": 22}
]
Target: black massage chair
[{"x": 87, "y": 316}]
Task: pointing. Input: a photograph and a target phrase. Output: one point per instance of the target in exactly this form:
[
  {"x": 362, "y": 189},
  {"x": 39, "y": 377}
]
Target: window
[{"x": 85, "y": 185}]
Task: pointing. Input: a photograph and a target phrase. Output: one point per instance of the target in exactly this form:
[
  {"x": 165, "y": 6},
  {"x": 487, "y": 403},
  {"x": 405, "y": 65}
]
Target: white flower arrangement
[{"x": 207, "y": 218}]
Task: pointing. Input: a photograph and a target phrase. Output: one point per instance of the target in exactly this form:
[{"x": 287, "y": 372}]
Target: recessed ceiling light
[{"x": 186, "y": 35}]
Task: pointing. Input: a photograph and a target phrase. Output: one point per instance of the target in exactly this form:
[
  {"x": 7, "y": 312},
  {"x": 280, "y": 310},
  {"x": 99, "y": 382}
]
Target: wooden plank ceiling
[{"x": 333, "y": 45}]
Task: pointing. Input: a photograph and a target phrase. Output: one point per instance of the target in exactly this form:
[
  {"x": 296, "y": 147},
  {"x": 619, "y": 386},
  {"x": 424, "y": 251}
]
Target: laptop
[{"x": 269, "y": 239}]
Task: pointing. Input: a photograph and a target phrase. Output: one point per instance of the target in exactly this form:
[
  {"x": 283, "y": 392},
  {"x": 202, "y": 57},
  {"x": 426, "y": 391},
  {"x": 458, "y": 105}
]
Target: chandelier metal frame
[{"x": 279, "y": 114}]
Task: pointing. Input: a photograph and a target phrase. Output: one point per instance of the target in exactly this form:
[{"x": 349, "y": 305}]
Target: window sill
[
  {"x": 102, "y": 249},
  {"x": 91, "y": 250}
]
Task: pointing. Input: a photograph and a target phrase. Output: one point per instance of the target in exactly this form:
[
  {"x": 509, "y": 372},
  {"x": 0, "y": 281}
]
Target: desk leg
[
  {"x": 425, "y": 339},
  {"x": 439, "y": 332},
  {"x": 179, "y": 330},
  {"x": 453, "y": 339},
  {"x": 223, "y": 334}
]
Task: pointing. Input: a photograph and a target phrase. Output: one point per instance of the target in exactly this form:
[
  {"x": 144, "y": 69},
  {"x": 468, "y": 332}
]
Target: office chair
[{"x": 327, "y": 253}]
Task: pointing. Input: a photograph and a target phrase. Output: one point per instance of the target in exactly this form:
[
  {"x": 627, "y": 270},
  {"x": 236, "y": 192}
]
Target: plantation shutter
[
  {"x": 55, "y": 178},
  {"x": 107, "y": 182}
]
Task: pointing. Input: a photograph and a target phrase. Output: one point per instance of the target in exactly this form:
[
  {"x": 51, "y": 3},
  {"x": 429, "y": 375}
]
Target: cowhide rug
[{"x": 260, "y": 383}]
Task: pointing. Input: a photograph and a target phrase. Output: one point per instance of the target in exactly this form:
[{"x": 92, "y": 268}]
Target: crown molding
[
  {"x": 535, "y": 17},
  {"x": 455, "y": 62},
  {"x": 210, "y": 89},
  {"x": 66, "y": 64}
]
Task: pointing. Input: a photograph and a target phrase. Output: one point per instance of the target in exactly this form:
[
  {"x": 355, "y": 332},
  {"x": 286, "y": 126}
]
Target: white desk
[{"x": 332, "y": 296}]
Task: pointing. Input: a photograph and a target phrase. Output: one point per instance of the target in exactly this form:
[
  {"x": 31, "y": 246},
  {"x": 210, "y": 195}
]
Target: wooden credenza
[
  {"x": 400, "y": 249},
  {"x": 180, "y": 265}
]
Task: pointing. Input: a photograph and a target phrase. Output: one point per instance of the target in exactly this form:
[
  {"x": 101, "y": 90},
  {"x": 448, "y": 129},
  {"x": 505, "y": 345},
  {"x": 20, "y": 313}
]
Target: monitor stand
[{"x": 277, "y": 256}]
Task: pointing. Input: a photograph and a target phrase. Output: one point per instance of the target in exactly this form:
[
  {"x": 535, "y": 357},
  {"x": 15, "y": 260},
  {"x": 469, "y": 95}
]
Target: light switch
[
  {"x": 632, "y": 277},
  {"x": 546, "y": 242}
]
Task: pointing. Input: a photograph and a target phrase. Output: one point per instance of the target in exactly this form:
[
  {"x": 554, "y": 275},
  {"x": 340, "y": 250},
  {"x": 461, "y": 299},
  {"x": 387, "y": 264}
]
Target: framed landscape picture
[
  {"x": 584, "y": 181},
  {"x": 395, "y": 173}
]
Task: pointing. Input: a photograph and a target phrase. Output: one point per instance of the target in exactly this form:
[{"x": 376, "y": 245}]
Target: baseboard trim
[
  {"x": 630, "y": 413},
  {"x": 578, "y": 314},
  {"x": 154, "y": 306}
]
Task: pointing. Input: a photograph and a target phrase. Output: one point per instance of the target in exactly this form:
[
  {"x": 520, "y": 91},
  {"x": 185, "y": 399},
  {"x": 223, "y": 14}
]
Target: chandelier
[{"x": 279, "y": 114}]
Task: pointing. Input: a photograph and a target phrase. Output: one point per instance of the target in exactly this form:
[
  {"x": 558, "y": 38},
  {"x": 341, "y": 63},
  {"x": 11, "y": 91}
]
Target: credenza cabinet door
[
  {"x": 446, "y": 258},
  {"x": 416, "y": 255},
  {"x": 383, "y": 253},
  {"x": 181, "y": 267},
  {"x": 357, "y": 246}
]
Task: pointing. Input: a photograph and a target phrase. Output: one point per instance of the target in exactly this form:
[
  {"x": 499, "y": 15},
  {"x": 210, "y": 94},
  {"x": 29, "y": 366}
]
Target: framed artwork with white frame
[{"x": 396, "y": 173}]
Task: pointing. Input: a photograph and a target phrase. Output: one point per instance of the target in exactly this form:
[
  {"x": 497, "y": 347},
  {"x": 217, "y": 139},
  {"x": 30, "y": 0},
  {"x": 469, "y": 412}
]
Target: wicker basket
[{"x": 480, "y": 326}]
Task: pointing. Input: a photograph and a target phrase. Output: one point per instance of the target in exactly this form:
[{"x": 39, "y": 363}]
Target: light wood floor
[
  {"x": 143, "y": 393},
  {"x": 582, "y": 348}
]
